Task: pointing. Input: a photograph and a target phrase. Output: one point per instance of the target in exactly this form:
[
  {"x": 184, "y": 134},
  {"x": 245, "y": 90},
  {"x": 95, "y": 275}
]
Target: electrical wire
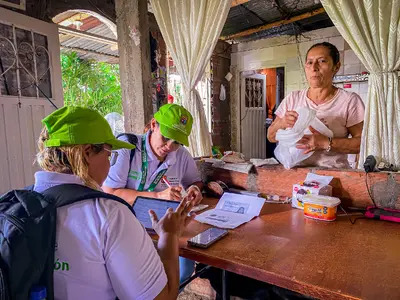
[
  {"x": 369, "y": 192},
  {"x": 349, "y": 216}
]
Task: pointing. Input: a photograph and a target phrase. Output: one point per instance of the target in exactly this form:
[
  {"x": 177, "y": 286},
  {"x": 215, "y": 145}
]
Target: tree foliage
[{"x": 91, "y": 84}]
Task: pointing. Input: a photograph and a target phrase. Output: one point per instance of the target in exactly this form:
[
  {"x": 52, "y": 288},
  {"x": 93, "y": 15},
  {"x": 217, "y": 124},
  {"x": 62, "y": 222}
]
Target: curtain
[
  {"x": 271, "y": 90},
  {"x": 372, "y": 29},
  {"x": 191, "y": 29}
]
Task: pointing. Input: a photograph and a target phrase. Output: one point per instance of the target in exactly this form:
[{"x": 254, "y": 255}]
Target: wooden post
[{"x": 134, "y": 45}]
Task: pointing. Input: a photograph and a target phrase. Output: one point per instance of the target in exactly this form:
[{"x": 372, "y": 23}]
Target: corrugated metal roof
[
  {"x": 89, "y": 49},
  {"x": 103, "y": 30},
  {"x": 255, "y": 13},
  {"x": 312, "y": 23},
  {"x": 249, "y": 15},
  {"x": 87, "y": 44}
]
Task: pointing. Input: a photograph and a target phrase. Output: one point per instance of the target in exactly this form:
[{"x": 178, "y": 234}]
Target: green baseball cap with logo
[
  {"x": 78, "y": 126},
  {"x": 175, "y": 122}
]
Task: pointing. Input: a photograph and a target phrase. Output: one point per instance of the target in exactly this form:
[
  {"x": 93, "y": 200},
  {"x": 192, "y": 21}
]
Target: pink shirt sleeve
[
  {"x": 355, "y": 110},
  {"x": 284, "y": 106}
]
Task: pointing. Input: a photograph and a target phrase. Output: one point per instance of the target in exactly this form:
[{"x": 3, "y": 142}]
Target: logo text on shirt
[
  {"x": 134, "y": 175},
  {"x": 63, "y": 265}
]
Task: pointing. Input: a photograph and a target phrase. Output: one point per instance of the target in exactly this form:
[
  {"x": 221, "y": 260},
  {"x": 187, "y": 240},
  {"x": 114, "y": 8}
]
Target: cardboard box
[{"x": 313, "y": 185}]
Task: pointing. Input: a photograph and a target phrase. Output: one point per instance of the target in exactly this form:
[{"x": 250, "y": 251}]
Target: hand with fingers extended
[
  {"x": 289, "y": 119},
  {"x": 313, "y": 142},
  {"x": 171, "y": 193},
  {"x": 173, "y": 222}
]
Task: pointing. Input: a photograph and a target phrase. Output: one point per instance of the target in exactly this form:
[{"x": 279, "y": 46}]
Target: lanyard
[{"x": 145, "y": 166}]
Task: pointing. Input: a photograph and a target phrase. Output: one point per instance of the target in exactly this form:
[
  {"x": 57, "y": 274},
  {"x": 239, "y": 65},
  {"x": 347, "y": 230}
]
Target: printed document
[{"x": 232, "y": 211}]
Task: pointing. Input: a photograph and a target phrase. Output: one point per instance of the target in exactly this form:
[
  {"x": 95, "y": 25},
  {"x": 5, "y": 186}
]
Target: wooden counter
[
  {"x": 349, "y": 185},
  {"x": 324, "y": 260}
]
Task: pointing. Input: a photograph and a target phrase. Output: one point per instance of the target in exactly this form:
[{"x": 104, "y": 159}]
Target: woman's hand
[
  {"x": 289, "y": 119},
  {"x": 171, "y": 193},
  {"x": 194, "y": 194},
  {"x": 173, "y": 222},
  {"x": 313, "y": 142}
]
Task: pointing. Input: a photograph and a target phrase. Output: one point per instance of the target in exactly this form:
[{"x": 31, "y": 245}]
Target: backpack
[
  {"x": 28, "y": 236},
  {"x": 132, "y": 139}
]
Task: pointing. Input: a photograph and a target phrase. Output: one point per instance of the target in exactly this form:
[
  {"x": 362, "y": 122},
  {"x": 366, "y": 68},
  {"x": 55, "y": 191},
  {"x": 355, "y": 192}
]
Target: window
[{"x": 24, "y": 63}]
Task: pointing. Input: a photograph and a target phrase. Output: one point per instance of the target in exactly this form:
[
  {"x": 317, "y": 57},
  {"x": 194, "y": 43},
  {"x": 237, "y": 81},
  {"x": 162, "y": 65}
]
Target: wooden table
[{"x": 324, "y": 260}]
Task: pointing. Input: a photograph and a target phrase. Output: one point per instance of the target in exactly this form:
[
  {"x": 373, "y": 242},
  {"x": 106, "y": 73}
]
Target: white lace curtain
[
  {"x": 372, "y": 29},
  {"x": 191, "y": 29}
]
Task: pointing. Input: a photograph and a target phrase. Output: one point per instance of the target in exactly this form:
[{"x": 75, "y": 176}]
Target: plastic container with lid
[
  {"x": 320, "y": 207},
  {"x": 38, "y": 293}
]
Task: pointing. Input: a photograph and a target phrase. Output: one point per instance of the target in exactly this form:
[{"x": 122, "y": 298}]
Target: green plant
[{"x": 91, "y": 84}]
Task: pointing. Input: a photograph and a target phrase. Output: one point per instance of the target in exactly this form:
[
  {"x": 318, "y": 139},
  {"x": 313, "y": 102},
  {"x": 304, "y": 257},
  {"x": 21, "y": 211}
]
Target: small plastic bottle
[{"x": 38, "y": 293}]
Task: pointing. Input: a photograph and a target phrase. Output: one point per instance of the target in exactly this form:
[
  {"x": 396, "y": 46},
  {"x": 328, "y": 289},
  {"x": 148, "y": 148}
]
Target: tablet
[{"x": 160, "y": 207}]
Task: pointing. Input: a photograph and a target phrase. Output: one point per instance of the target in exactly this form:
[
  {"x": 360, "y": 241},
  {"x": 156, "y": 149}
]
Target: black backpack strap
[
  {"x": 65, "y": 194},
  {"x": 132, "y": 139},
  {"x": 29, "y": 187}
]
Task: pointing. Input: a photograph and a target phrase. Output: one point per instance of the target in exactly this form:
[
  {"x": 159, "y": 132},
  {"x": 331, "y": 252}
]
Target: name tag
[
  {"x": 134, "y": 175},
  {"x": 174, "y": 181}
]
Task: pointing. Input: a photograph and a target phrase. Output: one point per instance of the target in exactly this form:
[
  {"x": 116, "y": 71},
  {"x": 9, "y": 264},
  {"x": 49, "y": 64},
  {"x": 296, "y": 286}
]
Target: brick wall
[{"x": 220, "y": 112}]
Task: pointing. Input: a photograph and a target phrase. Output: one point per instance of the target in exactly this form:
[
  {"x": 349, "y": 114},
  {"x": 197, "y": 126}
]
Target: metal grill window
[
  {"x": 24, "y": 63},
  {"x": 253, "y": 92}
]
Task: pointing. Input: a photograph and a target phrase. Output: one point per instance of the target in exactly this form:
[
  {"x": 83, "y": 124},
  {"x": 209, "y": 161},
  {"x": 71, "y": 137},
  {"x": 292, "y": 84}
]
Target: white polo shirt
[
  {"x": 102, "y": 251},
  {"x": 181, "y": 167}
]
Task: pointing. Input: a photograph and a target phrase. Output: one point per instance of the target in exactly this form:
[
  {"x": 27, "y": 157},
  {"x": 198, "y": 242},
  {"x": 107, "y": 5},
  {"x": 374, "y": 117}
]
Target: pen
[
  {"x": 166, "y": 182},
  {"x": 183, "y": 192}
]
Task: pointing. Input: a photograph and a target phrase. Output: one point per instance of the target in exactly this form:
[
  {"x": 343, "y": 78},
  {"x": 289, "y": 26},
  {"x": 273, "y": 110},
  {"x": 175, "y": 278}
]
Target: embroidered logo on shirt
[{"x": 134, "y": 175}]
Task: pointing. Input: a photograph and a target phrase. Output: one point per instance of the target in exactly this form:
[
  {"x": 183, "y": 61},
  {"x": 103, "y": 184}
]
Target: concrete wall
[{"x": 285, "y": 51}]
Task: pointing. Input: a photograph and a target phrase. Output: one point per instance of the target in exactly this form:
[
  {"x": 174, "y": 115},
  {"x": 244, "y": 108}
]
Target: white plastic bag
[
  {"x": 286, "y": 152},
  {"x": 222, "y": 93}
]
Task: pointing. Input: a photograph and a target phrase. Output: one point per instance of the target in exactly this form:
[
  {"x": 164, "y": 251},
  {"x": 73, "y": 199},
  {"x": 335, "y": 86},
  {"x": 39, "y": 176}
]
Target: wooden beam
[
  {"x": 85, "y": 51},
  {"x": 274, "y": 24},
  {"x": 86, "y": 35},
  {"x": 238, "y": 2}
]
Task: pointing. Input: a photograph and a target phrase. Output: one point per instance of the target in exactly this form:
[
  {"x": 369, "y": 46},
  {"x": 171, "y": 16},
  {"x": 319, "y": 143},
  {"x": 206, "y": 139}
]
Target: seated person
[
  {"x": 341, "y": 111},
  {"x": 109, "y": 253},
  {"x": 159, "y": 153}
]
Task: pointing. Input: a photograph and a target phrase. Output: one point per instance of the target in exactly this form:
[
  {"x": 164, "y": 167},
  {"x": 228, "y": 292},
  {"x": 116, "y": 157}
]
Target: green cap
[
  {"x": 78, "y": 126},
  {"x": 175, "y": 122}
]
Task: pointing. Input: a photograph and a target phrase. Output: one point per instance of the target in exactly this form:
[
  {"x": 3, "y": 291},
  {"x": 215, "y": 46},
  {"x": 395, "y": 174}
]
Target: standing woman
[
  {"x": 159, "y": 153},
  {"x": 341, "y": 111}
]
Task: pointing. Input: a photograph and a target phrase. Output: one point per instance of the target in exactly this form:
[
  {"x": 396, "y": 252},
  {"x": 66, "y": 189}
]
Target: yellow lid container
[{"x": 320, "y": 207}]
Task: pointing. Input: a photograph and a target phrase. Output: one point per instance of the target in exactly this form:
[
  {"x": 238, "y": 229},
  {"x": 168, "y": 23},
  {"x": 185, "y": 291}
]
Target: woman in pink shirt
[{"x": 341, "y": 111}]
